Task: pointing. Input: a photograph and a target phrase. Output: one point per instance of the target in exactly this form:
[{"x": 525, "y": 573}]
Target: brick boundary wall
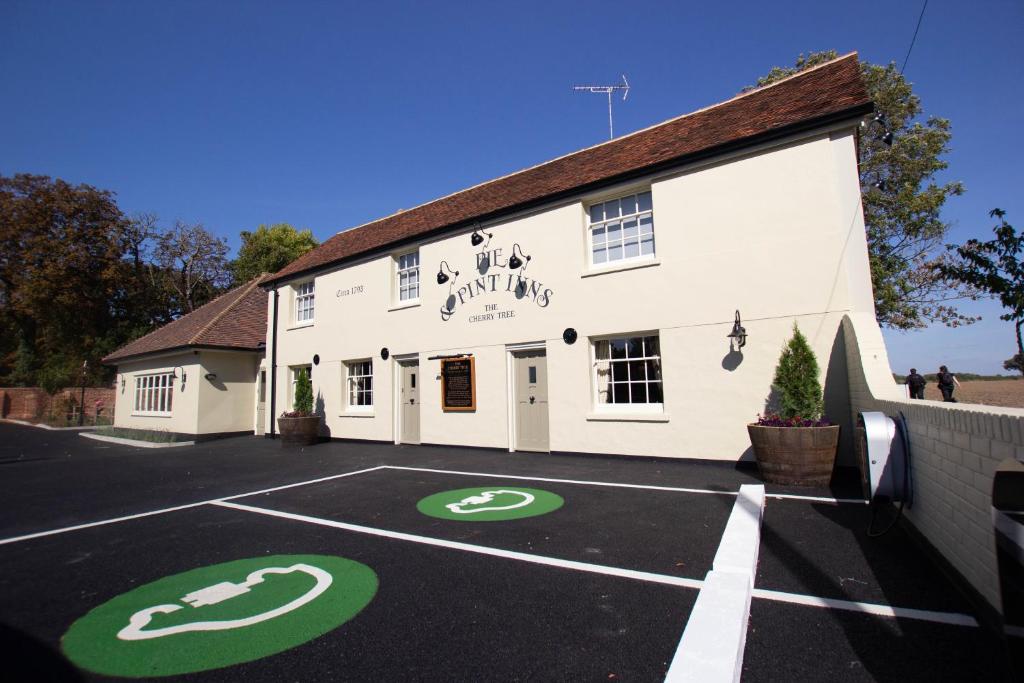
[
  {"x": 31, "y": 403},
  {"x": 955, "y": 451}
]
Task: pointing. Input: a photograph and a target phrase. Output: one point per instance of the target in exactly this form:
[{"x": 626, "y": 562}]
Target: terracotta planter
[
  {"x": 299, "y": 431},
  {"x": 802, "y": 456}
]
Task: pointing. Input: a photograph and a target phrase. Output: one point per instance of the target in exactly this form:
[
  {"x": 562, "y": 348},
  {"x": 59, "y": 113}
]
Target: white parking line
[
  {"x": 478, "y": 549},
  {"x": 649, "y": 487},
  {"x": 775, "y": 596},
  {"x": 115, "y": 520}
]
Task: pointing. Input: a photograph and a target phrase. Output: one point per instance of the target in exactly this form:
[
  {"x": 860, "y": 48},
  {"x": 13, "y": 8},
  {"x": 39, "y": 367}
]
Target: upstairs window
[
  {"x": 622, "y": 229},
  {"x": 408, "y": 273},
  {"x": 304, "y": 300}
]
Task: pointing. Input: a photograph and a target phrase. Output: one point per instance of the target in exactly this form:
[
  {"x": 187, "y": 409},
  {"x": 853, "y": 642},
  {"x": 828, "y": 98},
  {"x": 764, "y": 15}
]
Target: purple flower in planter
[{"x": 774, "y": 420}]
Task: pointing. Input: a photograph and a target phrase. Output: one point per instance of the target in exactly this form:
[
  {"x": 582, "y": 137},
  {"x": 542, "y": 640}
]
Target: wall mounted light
[
  {"x": 477, "y": 239},
  {"x": 441, "y": 277},
  {"x": 515, "y": 262},
  {"x": 738, "y": 334},
  {"x": 569, "y": 336},
  {"x": 122, "y": 384},
  {"x": 316, "y": 359},
  {"x": 211, "y": 376},
  {"x": 887, "y": 138},
  {"x": 384, "y": 353},
  {"x": 174, "y": 373}
]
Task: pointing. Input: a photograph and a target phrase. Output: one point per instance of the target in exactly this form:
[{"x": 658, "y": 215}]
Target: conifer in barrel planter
[
  {"x": 795, "y": 445},
  {"x": 301, "y": 426}
]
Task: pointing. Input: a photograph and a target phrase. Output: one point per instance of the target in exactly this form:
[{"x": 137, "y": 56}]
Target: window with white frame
[
  {"x": 621, "y": 229},
  {"x": 154, "y": 394},
  {"x": 408, "y": 273},
  {"x": 360, "y": 384},
  {"x": 304, "y": 300},
  {"x": 627, "y": 373},
  {"x": 296, "y": 371}
]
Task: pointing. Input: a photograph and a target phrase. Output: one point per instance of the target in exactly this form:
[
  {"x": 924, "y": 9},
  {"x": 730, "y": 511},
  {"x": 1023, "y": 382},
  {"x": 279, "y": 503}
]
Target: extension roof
[
  {"x": 236, "y": 320},
  {"x": 828, "y": 93}
]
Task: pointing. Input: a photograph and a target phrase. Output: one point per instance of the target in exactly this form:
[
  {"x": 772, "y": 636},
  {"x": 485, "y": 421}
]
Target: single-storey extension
[{"x": 197, "y": 375}]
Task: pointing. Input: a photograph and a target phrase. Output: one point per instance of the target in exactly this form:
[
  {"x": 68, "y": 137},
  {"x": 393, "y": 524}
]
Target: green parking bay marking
[
  {"x": 490, "y": 504},
  {"x": 216, "y": 616}
]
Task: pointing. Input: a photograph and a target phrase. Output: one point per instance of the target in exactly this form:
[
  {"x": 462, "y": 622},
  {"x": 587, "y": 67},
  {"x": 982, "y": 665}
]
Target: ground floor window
[
  {"x": 296, "y": 372},
  {"x": 627, "y": 373},
  {"x": 154, "y": 394},
  {"x": 360, "y": 384}
]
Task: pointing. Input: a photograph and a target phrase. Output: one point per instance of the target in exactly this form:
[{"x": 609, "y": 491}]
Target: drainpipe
[{"x": 273, "y": 371}]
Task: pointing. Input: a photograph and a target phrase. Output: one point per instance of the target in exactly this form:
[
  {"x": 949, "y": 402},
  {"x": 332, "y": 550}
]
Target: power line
[{"x": 914, "y": 39}]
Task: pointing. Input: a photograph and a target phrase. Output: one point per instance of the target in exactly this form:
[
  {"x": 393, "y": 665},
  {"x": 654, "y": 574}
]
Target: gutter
[
  {"x": 700, "y": 155},
  {"x": 273, "y": 371}
]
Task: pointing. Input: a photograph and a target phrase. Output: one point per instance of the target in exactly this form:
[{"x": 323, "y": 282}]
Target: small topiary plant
[
  {"x": 303, "y": 404},
  {"x": 798, "y": 391}
]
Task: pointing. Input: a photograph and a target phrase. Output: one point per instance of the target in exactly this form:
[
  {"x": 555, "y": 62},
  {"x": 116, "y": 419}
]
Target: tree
[
  {"x": 796, "y": 380},
  {"x": 193, "y": 265},
  {"x": 60, "y": 249},
  {"x": 995, "y": 267},
  {"x": 269, "y": 249},
  {"x": 303, "y": 403},
  {"x": 902, "y": 201}
]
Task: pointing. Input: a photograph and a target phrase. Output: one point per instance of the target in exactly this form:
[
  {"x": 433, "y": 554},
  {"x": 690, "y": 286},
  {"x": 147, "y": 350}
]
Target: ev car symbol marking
[
  {"x": 487, "y": 497},
  {"x": 219, "y": 592}
]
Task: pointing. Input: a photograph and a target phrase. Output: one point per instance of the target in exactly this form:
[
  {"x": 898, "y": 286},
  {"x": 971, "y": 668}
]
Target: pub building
[{"x": 586, "y": 304}]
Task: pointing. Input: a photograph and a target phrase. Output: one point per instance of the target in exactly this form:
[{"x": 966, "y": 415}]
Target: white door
[
  {"x": 531, "y": 388},
  {"x": 410, "y": 399},
  {"x": 261, "y": 403}
]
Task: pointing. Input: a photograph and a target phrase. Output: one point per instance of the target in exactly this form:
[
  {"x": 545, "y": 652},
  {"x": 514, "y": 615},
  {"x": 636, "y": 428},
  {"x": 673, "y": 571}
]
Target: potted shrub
[
  {"x": 300, "y": 426},
  {"x": 793, "y": 443}
]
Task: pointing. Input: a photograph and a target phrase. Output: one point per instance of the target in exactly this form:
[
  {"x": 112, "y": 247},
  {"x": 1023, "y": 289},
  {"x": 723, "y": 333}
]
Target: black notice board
[{"x": 458, "y": 384}]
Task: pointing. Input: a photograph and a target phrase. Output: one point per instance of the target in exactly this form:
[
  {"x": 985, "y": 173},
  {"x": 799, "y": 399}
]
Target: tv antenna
[{"x": 608, "y": 90}]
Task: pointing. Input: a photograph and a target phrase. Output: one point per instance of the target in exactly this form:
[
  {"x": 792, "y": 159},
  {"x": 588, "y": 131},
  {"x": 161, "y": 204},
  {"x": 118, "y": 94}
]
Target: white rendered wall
[
  {"x": 226, "y": 402},
  {"x": 185, "y": 402},
  {"x": 776, "y": 233}
]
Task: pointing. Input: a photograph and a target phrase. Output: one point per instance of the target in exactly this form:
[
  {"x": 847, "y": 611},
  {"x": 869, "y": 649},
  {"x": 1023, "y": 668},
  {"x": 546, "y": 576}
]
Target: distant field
[{"x": 1002, "y": 392}]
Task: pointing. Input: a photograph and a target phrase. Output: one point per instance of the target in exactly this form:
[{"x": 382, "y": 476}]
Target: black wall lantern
[
  {"x": 211, "y": 376},
  {"x": 569, "y": 336},
  {"x": 441, "y": 276},
  {"x": 738, "y": 334},
  {"x": 515, "y": 262},
  {"x": 477, "y": 239},
  {"x": 174, "y": 372},
  {"x": 316, "y": 359},
  {"x": 384, "y": 353}
]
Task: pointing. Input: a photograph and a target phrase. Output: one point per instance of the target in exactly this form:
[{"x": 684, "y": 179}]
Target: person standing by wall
[
  {"x": 915, "y": 383},
  {"x": 947, "y": 382}
]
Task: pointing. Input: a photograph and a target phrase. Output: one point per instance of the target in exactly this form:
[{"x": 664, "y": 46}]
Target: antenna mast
[{"x": 608, "y": 90}]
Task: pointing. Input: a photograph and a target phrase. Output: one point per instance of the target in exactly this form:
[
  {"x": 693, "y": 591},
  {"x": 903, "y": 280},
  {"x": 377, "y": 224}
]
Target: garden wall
[
  {"x": 955, "y": 449},
  {"x": 31, "y": 403}
]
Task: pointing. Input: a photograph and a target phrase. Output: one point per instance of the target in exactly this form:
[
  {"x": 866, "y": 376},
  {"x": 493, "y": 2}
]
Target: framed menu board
[{"x": 458, "y": 384}]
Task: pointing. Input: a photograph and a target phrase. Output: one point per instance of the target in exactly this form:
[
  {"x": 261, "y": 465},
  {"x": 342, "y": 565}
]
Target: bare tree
[{"x": 194, "y": 264}]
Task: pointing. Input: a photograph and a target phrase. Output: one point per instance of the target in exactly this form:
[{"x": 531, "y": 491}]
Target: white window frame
[
  {"x": 154, "y": 394},
  {"x": 404, "y": 293},
  {"x": 293, "y": 371},
  {"x": 305, "y": 302},
  {"x": 600, "y": 228},
  {"x": 601, "y": 383},
  {"x": 353, "y": 388}
]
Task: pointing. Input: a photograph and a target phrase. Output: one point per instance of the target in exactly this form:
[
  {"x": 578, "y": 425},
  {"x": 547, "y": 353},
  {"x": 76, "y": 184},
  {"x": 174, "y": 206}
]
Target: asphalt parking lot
[{"x": 428, "y": 563}]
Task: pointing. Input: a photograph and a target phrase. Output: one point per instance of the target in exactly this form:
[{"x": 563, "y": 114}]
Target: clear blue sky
[{"x": 327, "y": 115}]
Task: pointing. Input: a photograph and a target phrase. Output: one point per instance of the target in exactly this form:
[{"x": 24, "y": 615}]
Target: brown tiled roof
[
  {"x": 819, "y": 94},
  {"x": 235, "y": 320}
]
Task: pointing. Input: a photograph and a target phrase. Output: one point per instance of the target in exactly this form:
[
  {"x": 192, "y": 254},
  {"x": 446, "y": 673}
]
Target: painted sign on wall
[{"x": 495, "y": 274}]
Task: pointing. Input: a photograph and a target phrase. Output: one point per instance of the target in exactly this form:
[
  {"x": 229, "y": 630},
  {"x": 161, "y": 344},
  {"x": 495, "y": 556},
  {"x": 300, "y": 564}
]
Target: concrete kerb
[
  {"x": 136, "y": 443},
  {"x": 711, "y": 649}
]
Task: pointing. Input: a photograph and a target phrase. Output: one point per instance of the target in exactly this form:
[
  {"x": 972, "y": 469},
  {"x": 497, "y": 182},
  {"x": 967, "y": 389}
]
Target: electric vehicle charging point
[
  {"x": 883, "y": 457},
  {"x": 1008, "y": 520}
]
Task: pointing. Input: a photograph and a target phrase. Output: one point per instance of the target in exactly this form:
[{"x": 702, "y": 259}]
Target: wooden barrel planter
[
  {"x": 299, "y": 431},
  {"x": 801, "y": 456}
]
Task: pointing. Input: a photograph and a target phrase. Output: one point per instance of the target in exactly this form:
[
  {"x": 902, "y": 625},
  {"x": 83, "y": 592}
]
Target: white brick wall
[{"x": 956, "y": 448}]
